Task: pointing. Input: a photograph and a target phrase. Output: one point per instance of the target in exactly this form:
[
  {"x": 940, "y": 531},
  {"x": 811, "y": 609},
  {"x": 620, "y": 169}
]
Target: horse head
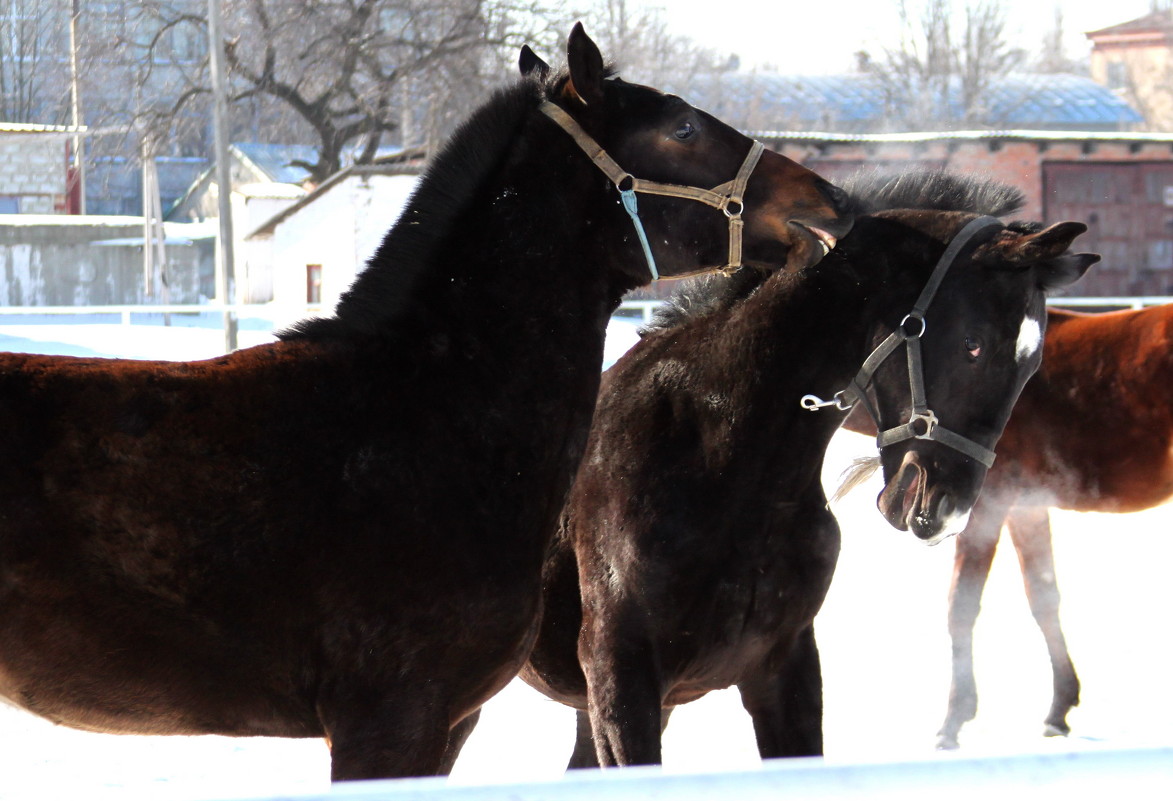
[
  {"x": 701, "y": 195},
  {"x": 971, "y": 346}
]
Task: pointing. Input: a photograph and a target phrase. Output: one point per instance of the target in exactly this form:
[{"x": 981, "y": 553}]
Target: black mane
[
  {"x": 383, "y": 290},
  {"x": 934, "y": 190},
  {"x": 871, "y": 191}
]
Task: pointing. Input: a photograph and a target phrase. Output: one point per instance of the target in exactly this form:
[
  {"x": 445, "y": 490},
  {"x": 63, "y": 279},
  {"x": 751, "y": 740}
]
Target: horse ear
[
  {"x": 529, "y": 62},
  {"x": 1046, "y": 244},
  {"x": 1063, "y": 270},
  {"x": 586, "y": 67}
]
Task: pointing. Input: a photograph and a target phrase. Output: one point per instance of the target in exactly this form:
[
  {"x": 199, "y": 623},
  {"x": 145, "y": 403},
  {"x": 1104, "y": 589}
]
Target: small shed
[
  {"x": 319, "y": 244},
  {"x": 34, "y": 169}
]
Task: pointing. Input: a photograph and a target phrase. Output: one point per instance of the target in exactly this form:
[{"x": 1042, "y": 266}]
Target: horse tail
[{"x": 860, "y": 470}]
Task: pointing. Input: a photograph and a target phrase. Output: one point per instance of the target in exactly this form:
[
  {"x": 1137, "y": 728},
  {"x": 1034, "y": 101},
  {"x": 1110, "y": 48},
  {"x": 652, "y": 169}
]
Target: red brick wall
[{"x": 1020, "y": 162}]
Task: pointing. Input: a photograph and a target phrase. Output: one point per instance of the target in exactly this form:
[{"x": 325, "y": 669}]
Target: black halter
[{"x": 922, "y": 423}]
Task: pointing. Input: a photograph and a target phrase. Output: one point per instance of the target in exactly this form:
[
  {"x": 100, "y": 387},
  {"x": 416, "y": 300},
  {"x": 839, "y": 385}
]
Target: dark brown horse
[
  {"x": 696, "y": 545},
  {"x": 1092, "y": 432},
  {"x": 341, "y": 535}
]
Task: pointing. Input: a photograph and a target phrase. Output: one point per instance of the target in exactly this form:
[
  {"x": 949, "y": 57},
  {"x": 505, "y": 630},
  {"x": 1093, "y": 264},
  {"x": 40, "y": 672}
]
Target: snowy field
[{"x": 881, "y": 633}]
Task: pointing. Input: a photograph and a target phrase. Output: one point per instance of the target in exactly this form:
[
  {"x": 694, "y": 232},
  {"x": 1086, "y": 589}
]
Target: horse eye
[
  {"x": 685, "y": 131},
  {"x": 974, "y": 346}
]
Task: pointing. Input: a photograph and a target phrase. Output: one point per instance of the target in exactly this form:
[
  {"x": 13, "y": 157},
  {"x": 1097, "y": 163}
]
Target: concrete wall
[{"x": 59, "y": 261}]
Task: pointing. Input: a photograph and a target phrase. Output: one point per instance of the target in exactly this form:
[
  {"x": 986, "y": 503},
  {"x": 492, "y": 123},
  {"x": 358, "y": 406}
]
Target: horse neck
[
  {"x": 816, "y": 328},
  {"x": 520, "y": 257}
]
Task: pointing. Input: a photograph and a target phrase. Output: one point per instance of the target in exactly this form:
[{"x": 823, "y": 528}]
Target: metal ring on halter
[
  {"x": 733, "y": 202},
  {"x": 930, "y": 421},
  {"x": 912, "y": 316}
]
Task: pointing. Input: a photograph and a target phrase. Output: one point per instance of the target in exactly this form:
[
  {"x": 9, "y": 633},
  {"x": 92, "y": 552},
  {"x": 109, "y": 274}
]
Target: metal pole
[
  {"x": 79, "y": 168},
  {"x": 226, "y": 285}
]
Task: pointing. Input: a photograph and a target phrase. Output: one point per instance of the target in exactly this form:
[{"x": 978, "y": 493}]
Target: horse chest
[{"x": 762, "y": 594}]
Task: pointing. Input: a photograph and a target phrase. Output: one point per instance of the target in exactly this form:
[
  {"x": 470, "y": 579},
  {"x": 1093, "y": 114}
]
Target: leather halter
[
  {"x": 922, "y": 423},
  {"x": 728, "y": 197}
]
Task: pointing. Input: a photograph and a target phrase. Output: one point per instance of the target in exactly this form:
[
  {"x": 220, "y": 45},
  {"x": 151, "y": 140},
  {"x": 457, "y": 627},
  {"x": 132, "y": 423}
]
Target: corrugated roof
[
  {"x": 31, "y": 128},
  {"x": 833, "y": 137},
  {"x": 276, "y": 161},
  {"x": 861, "y": 103}
]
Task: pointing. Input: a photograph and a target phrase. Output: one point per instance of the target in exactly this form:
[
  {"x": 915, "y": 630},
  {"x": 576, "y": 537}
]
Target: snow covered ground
[{"x": 881, "y": 633}]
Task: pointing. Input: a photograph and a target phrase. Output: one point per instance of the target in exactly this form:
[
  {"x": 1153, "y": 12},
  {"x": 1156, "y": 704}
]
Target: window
[
  {"x": 1117, "y": 75},
  {"x": 9, "y": 204},
  {"x": 313, "y": 283}
]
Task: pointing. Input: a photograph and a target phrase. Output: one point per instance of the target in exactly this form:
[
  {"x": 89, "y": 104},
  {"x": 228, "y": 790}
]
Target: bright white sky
[{"x": 822, "y": 36}]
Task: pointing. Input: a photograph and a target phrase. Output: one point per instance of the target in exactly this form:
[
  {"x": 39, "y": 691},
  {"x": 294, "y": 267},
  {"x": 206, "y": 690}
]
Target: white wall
[{"x": 339, "y": 230}]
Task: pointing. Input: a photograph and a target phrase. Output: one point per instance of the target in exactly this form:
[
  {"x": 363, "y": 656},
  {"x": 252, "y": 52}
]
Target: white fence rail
[
  {"x": 1139, "y": 773},
  {"x": 126, "y": 312},
  {"x": 643, "y": 309}
]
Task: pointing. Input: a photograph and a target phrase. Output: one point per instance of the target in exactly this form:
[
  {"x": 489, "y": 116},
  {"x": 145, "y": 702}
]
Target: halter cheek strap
[
  {"x": 728, "y": 197},
  {"x": 922, "y": 422}
]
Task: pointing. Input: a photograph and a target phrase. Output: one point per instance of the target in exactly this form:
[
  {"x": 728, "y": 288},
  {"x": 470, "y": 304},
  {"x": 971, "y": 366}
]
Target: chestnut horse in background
[
  {"x": 1091, "y": 432},
  {"x": 341, "y": 534}
]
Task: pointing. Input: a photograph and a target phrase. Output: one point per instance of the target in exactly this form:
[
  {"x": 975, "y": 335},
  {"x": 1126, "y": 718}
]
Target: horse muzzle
[{"x": 908, "y": 504}]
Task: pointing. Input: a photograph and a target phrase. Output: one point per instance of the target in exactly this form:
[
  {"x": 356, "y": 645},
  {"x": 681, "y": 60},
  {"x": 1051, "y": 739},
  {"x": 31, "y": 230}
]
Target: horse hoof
[
  {"x": 1051, "y": 730},
  {"x": 947, "y": 742}
]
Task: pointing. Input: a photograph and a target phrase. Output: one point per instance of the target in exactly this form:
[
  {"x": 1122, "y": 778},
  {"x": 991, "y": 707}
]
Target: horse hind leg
[
  {"x": 583, "y": 755},
  {"x": 1030, "y": 530},
  {"x": 971, "y": 568},
  {"x": 786, "y": 706}
]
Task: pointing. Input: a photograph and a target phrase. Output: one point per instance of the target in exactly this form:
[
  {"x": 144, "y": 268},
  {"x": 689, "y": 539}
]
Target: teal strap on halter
[
  {"x": 632, "y": 209},
  {"x": 729, "y": 197}
]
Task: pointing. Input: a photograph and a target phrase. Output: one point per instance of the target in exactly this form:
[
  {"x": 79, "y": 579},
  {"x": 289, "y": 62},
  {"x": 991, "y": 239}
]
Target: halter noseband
[
  {"x": 922, "y": 423},
  {"x": 728, "y": 197}
]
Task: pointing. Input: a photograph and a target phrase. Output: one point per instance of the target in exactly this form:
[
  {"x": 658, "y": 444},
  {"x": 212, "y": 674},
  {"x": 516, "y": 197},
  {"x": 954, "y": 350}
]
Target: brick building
[
  {"x": 1120, "y": 184},
  {"x": 34, "y": 169},
  {"x": 1135, "y": 59}
]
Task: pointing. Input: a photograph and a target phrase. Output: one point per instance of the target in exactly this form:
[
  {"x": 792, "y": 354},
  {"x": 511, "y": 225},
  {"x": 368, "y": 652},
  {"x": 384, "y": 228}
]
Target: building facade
[
  {"x": 1135, "y": 59},
  {"x": 1120, "y": 185}
]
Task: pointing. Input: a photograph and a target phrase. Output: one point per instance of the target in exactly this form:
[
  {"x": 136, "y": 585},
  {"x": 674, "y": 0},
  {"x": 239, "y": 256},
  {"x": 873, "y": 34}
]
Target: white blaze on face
[
  {"x": 951, "y": 524},
  {"x": 1030, "y": 336}
]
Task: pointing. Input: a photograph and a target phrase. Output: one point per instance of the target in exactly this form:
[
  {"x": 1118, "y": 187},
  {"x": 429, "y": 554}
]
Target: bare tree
[
  {"x": 33, "y": 88},
  {"x": 340, "y": 73},
  {"x": 1053, "y": 56},
  {"x": 639, "y": 39},
  {"x": 939, "y": 76}
]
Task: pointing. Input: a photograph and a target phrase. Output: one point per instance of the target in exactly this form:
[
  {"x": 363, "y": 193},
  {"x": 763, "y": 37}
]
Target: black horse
[
  {"x": 341, "y": 535},
  {"x": 696, "y": 546}
]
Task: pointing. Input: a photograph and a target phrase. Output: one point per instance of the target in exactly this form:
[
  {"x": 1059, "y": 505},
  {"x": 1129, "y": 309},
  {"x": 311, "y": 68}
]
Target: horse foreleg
[
  {"x": 971, "y": 567},
  {"x": 1030, "y": 530},
  {"x": 584, "y": 754},
  {"x": 388, "y": 737},
  {"x": 787, "y": 706},
  {"x": 457, "y": 736},
  {"x": 624, "y": 698}
]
